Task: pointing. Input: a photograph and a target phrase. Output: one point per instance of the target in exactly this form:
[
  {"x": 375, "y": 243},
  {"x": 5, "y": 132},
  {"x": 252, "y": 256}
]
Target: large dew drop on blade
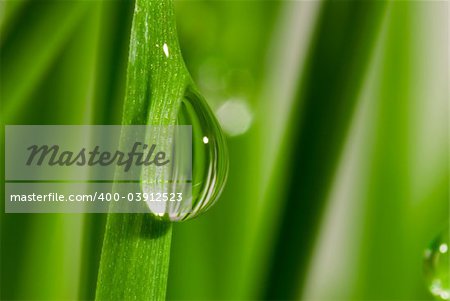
[{"x": 200, "y": 182}]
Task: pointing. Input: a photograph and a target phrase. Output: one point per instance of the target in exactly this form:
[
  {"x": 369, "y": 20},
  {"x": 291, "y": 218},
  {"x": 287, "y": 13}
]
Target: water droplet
[
  {"x": 166, "y": 49},
  {"x": 209, "y": 168},
  {"x": 436, "y": 266}
]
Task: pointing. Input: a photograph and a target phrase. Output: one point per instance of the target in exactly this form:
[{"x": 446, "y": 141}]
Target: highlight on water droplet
[{"x": 436, "y": 266}]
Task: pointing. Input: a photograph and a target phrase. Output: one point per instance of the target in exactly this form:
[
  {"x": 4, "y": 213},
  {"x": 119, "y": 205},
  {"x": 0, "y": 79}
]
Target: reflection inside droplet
[
  {"x": 205, "y": 140},
  {"x": 436, "y": 267}
]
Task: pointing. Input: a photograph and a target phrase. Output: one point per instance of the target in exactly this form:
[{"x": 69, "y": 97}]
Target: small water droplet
[
  {"x": 166, "y": 49},
  {"x": 209, "y": 169},
  {"x": 436, "y": 267}
]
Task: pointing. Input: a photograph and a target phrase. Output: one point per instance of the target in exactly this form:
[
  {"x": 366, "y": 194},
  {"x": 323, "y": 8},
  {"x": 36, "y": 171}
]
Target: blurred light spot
[
  {"x": 443, "y": 248},
  {"x": 166, "y": 49},
  {"x": 205, "y": 140},
  {"x": 235, "y": 117}
]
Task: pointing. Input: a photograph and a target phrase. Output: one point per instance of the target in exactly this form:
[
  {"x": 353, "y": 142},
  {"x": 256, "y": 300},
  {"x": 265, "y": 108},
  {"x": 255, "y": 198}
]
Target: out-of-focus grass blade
[
  {"x": 9, "y": 13},
  {"x": 108, "y": 92},
  {"x": 210, "y": 254},
  {"x": 337, "y": 64},
  {"x": 284, "y": 70},
  {"x": 408, "y": 192},
  {"x": 52, "y": 239},
  {"x": 24, "y": 61}
]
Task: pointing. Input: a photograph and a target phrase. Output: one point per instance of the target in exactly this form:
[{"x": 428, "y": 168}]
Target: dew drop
[
  {"x": 436, "y": 267},
  {"x": 209, "y": 169},
  {"x": 166, "y": 49}
]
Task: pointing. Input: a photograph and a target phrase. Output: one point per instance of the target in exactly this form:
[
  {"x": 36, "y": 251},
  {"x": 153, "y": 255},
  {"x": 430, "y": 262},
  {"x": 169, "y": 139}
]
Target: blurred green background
[{"x": 336, "y": 114}]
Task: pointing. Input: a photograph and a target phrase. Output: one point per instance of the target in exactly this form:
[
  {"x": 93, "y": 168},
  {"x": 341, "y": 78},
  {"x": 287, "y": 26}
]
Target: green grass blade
[
  {"x": 51, "y": 237},
  {"x": 37, "y": 52},
  {"x": 136, "y": 250},
  {"x": 9, "y": 14},
  {"x": 210, "y": 255},
  {"x": 135, "y": 258},
  {"x": 334, "y": 75},
  {"x": 407, "y": 195},
  {"x": 110, "y": 65}
]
